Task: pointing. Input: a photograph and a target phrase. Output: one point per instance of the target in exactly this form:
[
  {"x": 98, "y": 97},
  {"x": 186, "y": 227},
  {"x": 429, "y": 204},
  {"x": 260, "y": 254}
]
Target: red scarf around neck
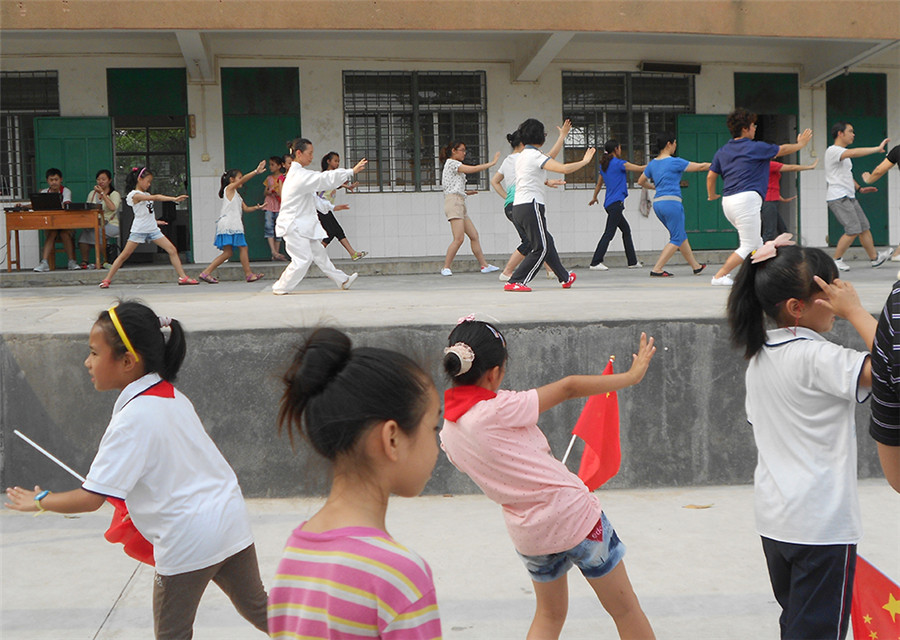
[{"x": 458, "y": 400}]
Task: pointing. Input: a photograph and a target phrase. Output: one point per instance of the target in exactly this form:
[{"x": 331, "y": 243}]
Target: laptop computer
[{"x": 46, "y": 201}]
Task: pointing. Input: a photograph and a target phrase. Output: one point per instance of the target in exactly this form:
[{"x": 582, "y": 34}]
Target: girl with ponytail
[
  {"x": 181, "y": 494},
  {"x": 373, "y": 414},
  {"x": 802, "y": 392}
]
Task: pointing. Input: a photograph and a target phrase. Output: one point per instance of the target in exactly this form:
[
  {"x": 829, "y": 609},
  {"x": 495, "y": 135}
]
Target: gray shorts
[{"x": 850, "y": 214}]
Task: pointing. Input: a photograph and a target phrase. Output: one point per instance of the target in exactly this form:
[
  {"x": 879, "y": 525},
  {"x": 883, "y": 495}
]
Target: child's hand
[
  {"x": 341, "y": 207},
  {"x": 842, "y": 297},
  {"x": 261, "y": 167},
  {"x": 21, "y": 499},
  {"x": 642, "y": 359},
  {"x": 180, "y": 198}
]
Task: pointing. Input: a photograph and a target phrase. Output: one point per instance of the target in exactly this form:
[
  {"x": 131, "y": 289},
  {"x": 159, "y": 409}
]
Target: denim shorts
[
  {"x": 594, "y": 558},
  {"x": 269, "y": 230},
  {"x": 141, "y": 238}
]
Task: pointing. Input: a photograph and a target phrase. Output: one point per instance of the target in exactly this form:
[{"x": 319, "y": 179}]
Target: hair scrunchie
[
  {"x": 464, "y": 353},
  {"x": 164, "y": 322}
]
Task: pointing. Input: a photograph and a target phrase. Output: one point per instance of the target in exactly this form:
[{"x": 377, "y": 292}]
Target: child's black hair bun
[{"x": 325, "y": 354}]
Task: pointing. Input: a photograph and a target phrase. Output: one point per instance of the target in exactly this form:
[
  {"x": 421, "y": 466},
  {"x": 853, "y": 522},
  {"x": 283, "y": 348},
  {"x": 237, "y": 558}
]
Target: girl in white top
[
  {"x": 181, "y": 494},
  {"x": 105, "y": 195},
  {"x": 802, "y": 391},
  {"x": 453, "y": 180},
  {"x": 145, "y": 227},
  {"x": 230, "y": 224}
]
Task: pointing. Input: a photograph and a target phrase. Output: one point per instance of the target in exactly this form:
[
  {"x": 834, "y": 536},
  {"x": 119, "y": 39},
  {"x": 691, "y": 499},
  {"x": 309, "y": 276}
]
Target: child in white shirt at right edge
[{"x": 802, "y": 392}]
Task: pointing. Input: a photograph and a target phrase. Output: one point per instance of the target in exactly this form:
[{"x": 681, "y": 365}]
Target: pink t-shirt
[
  {"x": 499, "y": 445},
  {"x": 352, "y": 583},
  {"x": 773, "y": 194}
]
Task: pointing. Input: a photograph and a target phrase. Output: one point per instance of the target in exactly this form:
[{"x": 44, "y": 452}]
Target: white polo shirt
[
  {"x": 802, "y": 392},
  {"x": 180, "y": 491},
  {"x": 530, "y": 176},
  {"x": 838, "y": 174}
]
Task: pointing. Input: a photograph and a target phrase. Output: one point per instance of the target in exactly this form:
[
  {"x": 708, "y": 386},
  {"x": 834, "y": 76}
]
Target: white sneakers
[
  {"x": 841, "y": 265},
  {"x": 489, "y": 269},
  {"x": 504, "y": 278},
  {"x": 446, "y": 272},
  {"x": 598, "y": 267},
  {"x": 881, "y": 257},
  {"x": 636, "y": 265},
  {"x": 349, "y": 281},
  {"x": 42, "y": 267},
  {"x": 724, "y": 281}
]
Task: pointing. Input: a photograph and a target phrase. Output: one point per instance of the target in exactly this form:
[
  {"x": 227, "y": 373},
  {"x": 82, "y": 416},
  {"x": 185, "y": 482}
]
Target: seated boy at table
[{"x": 55, "y": 185}]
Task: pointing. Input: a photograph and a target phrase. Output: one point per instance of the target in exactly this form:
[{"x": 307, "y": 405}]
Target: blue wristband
[{"x": 43, "y": 494}]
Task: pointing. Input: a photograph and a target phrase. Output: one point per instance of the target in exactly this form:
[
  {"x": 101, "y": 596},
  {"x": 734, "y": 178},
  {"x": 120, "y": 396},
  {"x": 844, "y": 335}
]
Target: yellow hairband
[{"x": 118, "y": 325}]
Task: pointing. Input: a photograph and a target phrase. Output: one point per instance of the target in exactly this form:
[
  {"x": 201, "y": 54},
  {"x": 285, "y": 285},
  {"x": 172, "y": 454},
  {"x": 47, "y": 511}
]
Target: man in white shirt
[
  {"x": 841, "y": 194},
  {"x": 55, "y": 185}
]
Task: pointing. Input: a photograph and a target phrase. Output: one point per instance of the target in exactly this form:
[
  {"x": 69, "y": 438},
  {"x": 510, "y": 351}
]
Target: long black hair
[
  {"x": 226, "y": 180},
  {"x": 143, "y": 328},
  {"x": 485, "y": 341},
  {"x": 133, "y": 175},
  {"x": 609, "y": 152},
  {"x": 326, "y": 158},
  {"x": 760, "y": 290},
  {"x": 333, "y": 393}
]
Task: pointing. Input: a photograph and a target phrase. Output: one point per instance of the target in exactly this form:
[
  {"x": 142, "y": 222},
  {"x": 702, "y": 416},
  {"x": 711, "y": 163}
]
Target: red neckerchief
[{"x": 458, "y": 400}]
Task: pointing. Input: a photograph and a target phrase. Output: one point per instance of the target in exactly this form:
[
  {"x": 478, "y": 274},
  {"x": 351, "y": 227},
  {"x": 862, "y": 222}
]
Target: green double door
[{"x": 261, "y": 113}]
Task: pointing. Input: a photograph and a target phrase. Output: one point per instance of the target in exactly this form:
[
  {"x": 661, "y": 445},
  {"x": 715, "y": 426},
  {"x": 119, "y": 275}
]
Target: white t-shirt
[
  {"x": 181, "y": 493},
  {"x": 508, "y": 171},
  {"x": 451, "y": 179},
  {"x": 802, "y": 392},
  {"x": 144, "y": 218},
  {"x": 530, "y": 176},
  {"x": 838, "y": 174}
]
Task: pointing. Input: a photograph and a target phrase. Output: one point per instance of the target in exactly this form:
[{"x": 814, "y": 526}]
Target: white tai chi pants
[
  {"x": 303, "y": 252},
  {"x": 743, "y": 211}
]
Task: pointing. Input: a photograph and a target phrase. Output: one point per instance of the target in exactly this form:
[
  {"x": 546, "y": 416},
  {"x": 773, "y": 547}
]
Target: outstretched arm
[
  {"x": 237, "y": 184},
  {"x": 561, "y": 139},
  {"x": 157, "y": 197},
  {"x": 248, "y": 208},
  {"x": 581, "y": 386},
  {"x": 693, "y": 167},
  {"x": 630, "y": 166},
  {"x": 570, "y": 167},
  {"x": 859, "y": 152},
  {"x": 77, "y": 501},
  {"x": 885, "y": 166},
  {"x": 475, "y": 168},
  {"x": 802, "y": 140},
  {"x": 786, "y": 168}
]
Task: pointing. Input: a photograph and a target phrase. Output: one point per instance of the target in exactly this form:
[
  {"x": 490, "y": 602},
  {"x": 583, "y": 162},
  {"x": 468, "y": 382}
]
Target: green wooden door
[
  {"x": 79, "y": 147},
  {"x": 861, "y": 100},
  {"x": 261, "y": 113},
  {"x": 699, "y": 137}
]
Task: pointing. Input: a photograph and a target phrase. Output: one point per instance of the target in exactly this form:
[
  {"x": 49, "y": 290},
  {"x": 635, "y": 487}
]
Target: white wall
[{"x": 413, "y": 224}]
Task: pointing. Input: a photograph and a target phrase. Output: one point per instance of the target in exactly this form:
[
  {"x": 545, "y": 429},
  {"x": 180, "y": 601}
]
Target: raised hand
[
  {"x": 642, "y": 358},
  {"x": 805, "y": 137},
  {"x": 842, "y": 299}
]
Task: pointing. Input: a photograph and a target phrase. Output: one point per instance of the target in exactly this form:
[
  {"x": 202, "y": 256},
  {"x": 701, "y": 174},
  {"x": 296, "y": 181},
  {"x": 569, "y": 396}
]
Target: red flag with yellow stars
[
  {"x": 598, "y": 426},
  {"x": 875, "y": 612}
]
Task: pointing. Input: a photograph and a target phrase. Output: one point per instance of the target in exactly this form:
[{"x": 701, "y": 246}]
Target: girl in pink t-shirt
[{"x": 554, "y": 521}]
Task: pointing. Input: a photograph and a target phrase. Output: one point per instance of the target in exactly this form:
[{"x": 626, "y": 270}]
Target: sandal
[
  {"x": 104, "y": 284},
  {"x": 359, "y": 255},
  {"x": 208, "y": 278},
  {"x": 253, "y": 277},
  {"x": 187, "y": 280},
  {"x": 699, "y": 269},
  {"x": 660, "y": 274}
]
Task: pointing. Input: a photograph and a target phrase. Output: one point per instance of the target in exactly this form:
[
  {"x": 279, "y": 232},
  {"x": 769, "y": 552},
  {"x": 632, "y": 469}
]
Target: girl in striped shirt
[{"x": 373, "y": 413}]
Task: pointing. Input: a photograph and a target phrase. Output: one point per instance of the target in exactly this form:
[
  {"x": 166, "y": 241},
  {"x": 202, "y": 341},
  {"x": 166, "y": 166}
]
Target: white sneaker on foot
[
  {"x": 881, "y": 257},
  {"x": 73, "y": 266},
  {"x": 841, "y": 265},
  {"x": 504, "y": 278},
  {"x": 551, "y": 275},
  {"x": 724, "y": 281},
  {"x": 42, "y": 267},
  {"x": 349, "y": 281},
  {"x": 598, "y": 267},
  {"x": 895, "y": 258},
  {"x": 489, "y": 269},
  {"x": 446, "y": 272},
  {"x": 636, "y": 265}
]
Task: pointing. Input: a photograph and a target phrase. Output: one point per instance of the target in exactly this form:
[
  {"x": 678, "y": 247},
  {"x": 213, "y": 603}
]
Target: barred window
[
  {"x": 399, "y": 120},
  {"x": 629, "y": 107},
  {"x": 24, "y": 95}
]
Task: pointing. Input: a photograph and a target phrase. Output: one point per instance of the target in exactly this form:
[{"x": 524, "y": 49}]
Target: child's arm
[
  {"x": 157, "y": 197},
  {"x": 248, "y": 208},
  {"x": 581, "y": 386},
  {"x": 77, "y": 501},
  {"x": 844, "y": 302}
]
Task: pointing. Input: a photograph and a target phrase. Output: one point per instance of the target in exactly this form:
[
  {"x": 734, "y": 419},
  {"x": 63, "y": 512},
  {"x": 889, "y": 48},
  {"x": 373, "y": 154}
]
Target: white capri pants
[
  {"x": 743, "y": 211},
  {"x": 304, "y": 252}
]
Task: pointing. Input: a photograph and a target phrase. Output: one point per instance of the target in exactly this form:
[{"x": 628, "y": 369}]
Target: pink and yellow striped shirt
[{"x": 350, "y": 584}]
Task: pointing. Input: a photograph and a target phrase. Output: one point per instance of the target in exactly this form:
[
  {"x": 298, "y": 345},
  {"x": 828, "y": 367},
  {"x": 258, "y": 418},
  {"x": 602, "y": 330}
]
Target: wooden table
[{"x": 61, "y": 219}]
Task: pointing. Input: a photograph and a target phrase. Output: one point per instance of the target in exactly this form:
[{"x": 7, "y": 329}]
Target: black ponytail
[
  {"x": 760, "y": 290},
  {"x": 449, "y": 149},
  {"x": 226, "y": 180},
  {"x": 663, "y": 139},
  {"x": 142, "y": 327},
  {"x": 514, "y": 139},
  {"x": 485, "y": 341},
  {"x": 132, "y": 177},
  {"x": 609, "y": 152},
  {"x": 334, "y": 393},
  {"x": 327, "y": 158}
]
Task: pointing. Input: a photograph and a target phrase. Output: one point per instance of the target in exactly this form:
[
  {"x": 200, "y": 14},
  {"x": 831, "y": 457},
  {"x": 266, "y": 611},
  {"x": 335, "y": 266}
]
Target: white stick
[
  {"x": 569, "y": 450},
  {"x": 47, "y": 453}
]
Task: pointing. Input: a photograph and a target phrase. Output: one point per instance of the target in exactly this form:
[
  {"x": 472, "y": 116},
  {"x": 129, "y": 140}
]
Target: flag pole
[
  {"x": 48, "y": 454},
  {"x": 612, "y": 358}
]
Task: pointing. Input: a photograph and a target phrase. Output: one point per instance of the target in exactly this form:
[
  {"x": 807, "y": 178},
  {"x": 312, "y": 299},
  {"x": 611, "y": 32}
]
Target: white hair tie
[
  {"x": 464, "y": 353},
  {"x": 164, "y": 322}
]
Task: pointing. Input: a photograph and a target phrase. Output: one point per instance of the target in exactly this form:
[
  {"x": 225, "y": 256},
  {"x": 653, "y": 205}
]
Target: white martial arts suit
[{"x": 298, "y": 224}]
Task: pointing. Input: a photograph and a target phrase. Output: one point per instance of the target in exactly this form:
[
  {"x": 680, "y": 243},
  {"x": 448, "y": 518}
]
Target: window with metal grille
[
  {"x": 24, "y": 95},
  {"x": 399, "y": 120},
  {"x": 629, "y": 107}
]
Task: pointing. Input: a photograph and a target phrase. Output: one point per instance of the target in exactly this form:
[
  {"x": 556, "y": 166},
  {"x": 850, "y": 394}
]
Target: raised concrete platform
[{"x": 684, "y": 425}]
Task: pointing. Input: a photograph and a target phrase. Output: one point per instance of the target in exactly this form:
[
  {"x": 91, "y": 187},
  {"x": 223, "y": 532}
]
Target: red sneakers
[
  {"x": 568, "y": 283},
  {"x": 515, "y": 286}
]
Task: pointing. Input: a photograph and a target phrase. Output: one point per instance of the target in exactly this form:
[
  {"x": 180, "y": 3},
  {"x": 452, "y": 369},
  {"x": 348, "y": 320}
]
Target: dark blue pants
[
  {"x": 615, "y": 219},
  {"x": 814, "y": 586}
]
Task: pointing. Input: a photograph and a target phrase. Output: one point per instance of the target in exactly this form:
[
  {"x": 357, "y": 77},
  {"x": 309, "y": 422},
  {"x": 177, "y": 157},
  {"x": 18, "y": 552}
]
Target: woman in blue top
[
  {"x": 612, "y": 170},
  {"x": 664, "y": 172}
]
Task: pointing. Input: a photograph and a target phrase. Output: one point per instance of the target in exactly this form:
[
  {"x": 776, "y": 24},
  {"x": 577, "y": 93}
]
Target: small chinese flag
[
  {"x": 875, "y": 612},
  {"x": 598, "y": 426}
]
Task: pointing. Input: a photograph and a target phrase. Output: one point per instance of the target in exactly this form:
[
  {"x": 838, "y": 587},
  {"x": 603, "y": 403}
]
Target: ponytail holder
[
  {"x": 164, "y": 322},
  {"x": 465, "y": 354},
  {"x": 143, "y": 169},
  {"x": 769, "y": 249},
  {"x": 468, "y": 318},
  {"x": 121, "y": 331}
]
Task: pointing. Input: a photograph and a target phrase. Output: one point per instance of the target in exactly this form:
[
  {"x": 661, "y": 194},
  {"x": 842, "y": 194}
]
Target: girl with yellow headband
[{"x": 181, "y": 494}]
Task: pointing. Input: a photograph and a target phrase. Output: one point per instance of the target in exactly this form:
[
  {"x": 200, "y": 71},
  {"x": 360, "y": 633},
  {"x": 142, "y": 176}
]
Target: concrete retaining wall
[{"x": 683, "y": 425}]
